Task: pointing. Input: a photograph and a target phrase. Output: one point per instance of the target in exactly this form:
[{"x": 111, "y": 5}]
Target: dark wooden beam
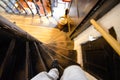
[
  {"x": 27, "y": 63},
  {"x": 54, "y": 55},
  {"x": 46, "y": 51},
  {"x": 40, "y": 57},
  {"x": 97, "y": 12},
  {"x": 7, "y": 57}
]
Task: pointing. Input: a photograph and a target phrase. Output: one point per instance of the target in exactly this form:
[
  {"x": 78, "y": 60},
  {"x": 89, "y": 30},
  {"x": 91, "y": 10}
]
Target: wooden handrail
[
  {"x": 114, "y": 44},
  {"x": 15, "y": 30}
]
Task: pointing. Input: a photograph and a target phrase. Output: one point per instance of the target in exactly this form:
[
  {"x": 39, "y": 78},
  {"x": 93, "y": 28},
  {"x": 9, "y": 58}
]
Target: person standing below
[{"x": 65, "y": 22}]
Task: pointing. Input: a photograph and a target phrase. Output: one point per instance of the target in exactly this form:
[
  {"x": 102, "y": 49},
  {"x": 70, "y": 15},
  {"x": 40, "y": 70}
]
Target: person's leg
[
  {"x": 53, "y": 74},
  {"x": 73, "y": 72}
]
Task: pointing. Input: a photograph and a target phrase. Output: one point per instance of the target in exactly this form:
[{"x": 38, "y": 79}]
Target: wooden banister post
[{"x": 114, "y": 44}]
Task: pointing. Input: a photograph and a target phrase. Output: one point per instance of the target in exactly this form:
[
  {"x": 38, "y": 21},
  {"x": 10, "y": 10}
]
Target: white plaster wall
[{"x": 112, "y": 18}]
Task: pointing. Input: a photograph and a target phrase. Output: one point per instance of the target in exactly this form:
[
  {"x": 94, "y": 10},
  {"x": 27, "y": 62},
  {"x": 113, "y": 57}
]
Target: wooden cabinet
[{"x": 100, "y": 60}]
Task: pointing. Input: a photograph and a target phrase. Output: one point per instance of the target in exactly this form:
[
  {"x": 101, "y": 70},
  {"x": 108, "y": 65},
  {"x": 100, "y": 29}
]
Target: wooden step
[{"x": 31, "y": 20}]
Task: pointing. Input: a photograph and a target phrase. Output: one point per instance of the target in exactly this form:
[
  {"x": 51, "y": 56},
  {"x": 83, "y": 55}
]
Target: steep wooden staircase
[
  {"x": 30, "y": 42},
  {"x": 30, "y": 49}
]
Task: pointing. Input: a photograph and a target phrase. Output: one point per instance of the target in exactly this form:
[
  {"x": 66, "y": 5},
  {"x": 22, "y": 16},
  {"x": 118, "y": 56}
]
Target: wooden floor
[{"x": 42, "y": 29}]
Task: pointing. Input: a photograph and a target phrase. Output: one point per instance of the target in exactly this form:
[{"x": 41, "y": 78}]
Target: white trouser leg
[
  {"x": 73, "y": 72},
  {"x": 53, "y": 74}
]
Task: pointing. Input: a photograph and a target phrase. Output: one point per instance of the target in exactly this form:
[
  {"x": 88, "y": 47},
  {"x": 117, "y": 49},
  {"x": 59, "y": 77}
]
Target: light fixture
[{"x": 92, "y": 38}]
